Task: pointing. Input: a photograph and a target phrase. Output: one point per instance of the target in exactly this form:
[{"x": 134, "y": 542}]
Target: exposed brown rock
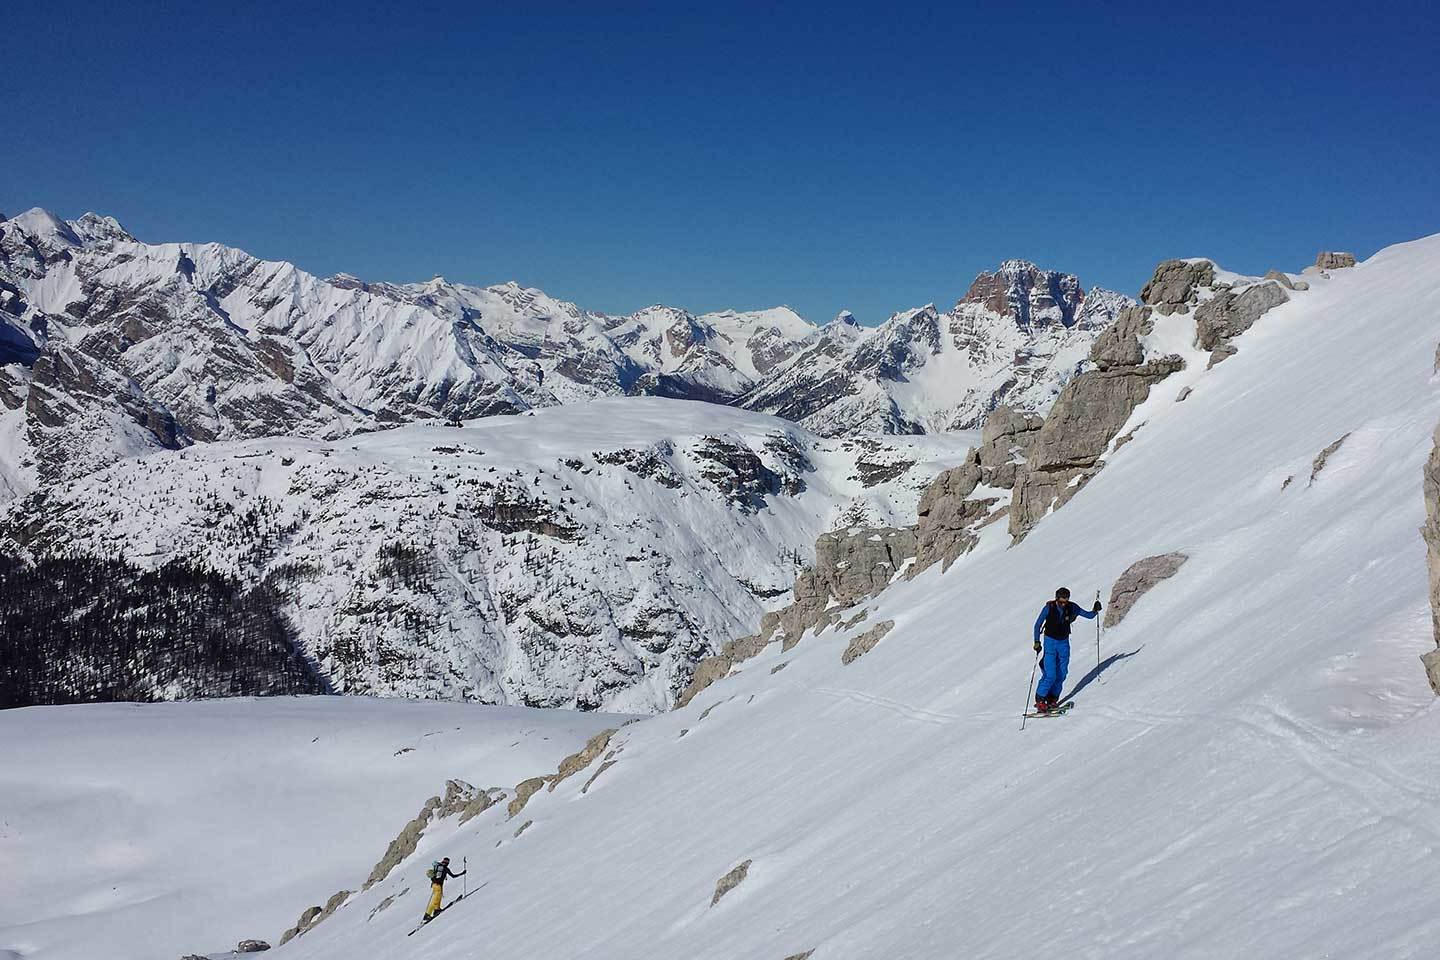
[
  {"x": 1174, "y": 286},
  {"x": 1323, "y": 457},
  {"x": 524, "y": 790},
  {"x": 596, "y": 775},
  {"x": 713, "y": 668},
  {"x": 404, "y": 844},
  {"x": 582, "y": 758},
  {"x": 730, "y": 881},
  {"x": 1431, "y": 532},
  {"x": 1334, "y": 260},
  {"x": 522, "y": 828},
  {"x": 865, "y": 642},
  {"x": 1137, "y": 580},
  {"x": 1221, "y": 319},
  {"x": 314, "y": 915}
]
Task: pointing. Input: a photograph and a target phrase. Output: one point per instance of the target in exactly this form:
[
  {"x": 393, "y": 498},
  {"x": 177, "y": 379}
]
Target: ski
[
  {"x": 1059, "y": 711},
  {"x": 447, "y": 906}
]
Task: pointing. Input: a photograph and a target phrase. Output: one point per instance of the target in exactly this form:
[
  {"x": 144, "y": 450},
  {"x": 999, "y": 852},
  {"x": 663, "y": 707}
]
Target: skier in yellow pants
[{"x": 437, "y": 873}]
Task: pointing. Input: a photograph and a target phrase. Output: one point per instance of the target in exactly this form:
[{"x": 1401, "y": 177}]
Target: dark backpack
[{"x": 1058, "y": 617}]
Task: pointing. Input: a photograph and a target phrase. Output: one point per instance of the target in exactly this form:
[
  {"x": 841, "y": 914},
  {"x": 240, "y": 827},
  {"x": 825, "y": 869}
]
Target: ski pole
[
  {"x": 1097, "y": 631},
  {"x": 1025, "y": 714}
]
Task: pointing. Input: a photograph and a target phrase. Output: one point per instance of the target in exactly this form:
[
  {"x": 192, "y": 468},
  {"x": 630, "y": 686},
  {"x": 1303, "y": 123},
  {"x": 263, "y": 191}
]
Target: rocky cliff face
[{"x": 1431, "y": 532}]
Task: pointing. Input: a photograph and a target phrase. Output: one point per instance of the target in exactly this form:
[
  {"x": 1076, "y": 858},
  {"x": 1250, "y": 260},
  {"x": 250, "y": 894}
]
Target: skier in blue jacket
[{"x": 1054, "y": 622}]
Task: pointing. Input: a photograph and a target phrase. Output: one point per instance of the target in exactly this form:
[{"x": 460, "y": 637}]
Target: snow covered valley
[{"x": 1250, "y": 769}]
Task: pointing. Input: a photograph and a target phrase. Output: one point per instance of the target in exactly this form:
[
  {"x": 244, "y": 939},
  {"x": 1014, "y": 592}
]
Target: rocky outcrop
[
  {"x": 1137, "y": 580},
  {"x": 730, "y": 881},
  {"x": 582, "y": 758},
  {"x": 850, "y": 565},
  {"x": 404, "y": 844},
  {"x": 314, "y": 915},
  {"x": 863, "y": 643},
  {"x": 524, "y": 790},
  {"x": 1284, "y": 280},
  {"x": 1323, "y": 457},
  {"x": 1334, "y": 260},
  {"x": 251, "y": 946},
  {"x": 950, "y": 512},
  {"x": 1175, "y": 285},
  {"x": 1228, "y": 314},
  {"x": 1087, "y": 415},
  {"x": 713, "y": 668},
  {"x": 1431, "y": 532}
]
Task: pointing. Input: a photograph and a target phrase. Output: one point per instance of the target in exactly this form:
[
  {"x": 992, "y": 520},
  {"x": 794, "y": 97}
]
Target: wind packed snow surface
[
  {"x": 584, "y": 555},
  {"x": 1251, "y": 769},
  {"x": 144, "y": 831}
]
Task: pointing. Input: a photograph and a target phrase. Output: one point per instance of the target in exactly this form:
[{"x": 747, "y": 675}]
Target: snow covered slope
[
  {"x": 584, "y": 555},
  {"x": 1015, "y": 338},
  {"x": 1250, "y": 771},
  {"x": 135, "y": 832}
]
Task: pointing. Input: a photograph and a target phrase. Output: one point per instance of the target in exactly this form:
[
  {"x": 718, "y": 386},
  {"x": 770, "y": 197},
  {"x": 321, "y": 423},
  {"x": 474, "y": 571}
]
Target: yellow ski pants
[{"x": 436, "y": 891}]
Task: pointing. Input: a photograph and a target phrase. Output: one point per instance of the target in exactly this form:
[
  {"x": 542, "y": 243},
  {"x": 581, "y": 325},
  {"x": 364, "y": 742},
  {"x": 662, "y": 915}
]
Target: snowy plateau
[{"x": 1250, "y": 769}]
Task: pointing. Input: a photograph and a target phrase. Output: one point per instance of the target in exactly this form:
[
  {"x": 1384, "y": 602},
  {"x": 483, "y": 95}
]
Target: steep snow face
[
  {"x": 1250, "y": 769},
  {"x": 1016, "y": 337},
  {"x": 578, "y": 556},
  {"x": 141, "y": 831}
]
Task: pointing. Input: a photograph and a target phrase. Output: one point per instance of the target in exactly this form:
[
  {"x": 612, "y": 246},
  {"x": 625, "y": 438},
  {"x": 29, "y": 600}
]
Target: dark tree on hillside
[{"x": 83, "y": 630}]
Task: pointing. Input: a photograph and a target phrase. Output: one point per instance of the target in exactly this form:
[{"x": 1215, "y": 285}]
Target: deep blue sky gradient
[{"x": 824, "y": 156}]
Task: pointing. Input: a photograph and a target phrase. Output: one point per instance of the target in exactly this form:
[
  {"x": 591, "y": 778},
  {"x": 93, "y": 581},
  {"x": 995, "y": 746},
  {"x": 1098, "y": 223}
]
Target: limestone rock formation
[
  {"x": 730, "y": 881},
  {"x": 314, "y": 915},
  {"x": 1323, "y": 457},
  {"x": 1137, "y": 580},
  {"x": 404, "y": 844},
  {"x": 713, "y": 668},
  {"x": 524, "y": 790},
  {"x": 1087, "y": 416},
  {"x": 582, "y": 758},
  {"x": 950, "y": 513},
  {"x": 1229, "y": 314},
  {"x": 1284, "y": 280},
  {"x": 865, "y": 642},
  {"x": 1431, "y": 531},
  {"x": 1334, "y": 260},
  {"x": 1174, "y": 286}
]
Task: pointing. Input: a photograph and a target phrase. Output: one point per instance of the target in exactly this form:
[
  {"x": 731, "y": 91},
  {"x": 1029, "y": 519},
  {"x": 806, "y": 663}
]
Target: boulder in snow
[{"x": 1137, "y": 580}]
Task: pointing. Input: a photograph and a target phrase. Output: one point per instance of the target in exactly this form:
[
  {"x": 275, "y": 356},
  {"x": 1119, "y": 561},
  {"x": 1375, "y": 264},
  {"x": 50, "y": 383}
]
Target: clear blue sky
[{"x": 820, "y": 156}]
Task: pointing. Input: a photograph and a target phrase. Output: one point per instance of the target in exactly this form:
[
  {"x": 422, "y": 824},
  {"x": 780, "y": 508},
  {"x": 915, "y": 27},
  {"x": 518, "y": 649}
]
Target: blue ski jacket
[{"x": 1073, "y": 610}]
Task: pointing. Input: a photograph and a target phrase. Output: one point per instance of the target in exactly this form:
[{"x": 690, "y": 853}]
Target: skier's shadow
[{"x": 1098, "y": 669}]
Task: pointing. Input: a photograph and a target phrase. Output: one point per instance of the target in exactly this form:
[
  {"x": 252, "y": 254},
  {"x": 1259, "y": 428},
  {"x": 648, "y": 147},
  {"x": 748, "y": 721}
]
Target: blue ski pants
[{"x": 1053, "y": 668}]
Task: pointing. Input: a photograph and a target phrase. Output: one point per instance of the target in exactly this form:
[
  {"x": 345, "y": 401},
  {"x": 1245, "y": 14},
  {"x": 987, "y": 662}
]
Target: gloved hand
[
  {"x": 1039, "y": 646},
  {"x": 1098, "y": 607}
]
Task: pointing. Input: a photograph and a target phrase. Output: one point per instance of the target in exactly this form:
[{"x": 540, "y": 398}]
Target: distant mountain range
[{"x": 111, "y": 347}]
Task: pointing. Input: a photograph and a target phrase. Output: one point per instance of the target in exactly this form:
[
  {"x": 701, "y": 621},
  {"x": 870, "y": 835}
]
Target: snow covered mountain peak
[{"x": 1026, "y": 294}]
